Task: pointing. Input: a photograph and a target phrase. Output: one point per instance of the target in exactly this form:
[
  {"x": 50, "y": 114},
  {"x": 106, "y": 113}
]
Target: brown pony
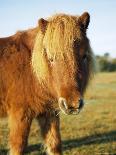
[{"x": 43, "y": 71}]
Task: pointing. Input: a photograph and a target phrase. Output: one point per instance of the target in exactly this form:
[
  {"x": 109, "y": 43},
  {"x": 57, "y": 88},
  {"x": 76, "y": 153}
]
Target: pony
[{"x": 44, "y": 71}]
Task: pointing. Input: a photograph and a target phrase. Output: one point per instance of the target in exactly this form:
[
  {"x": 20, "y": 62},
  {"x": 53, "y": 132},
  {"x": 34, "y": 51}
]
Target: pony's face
[{"x": 68, "y": 59}]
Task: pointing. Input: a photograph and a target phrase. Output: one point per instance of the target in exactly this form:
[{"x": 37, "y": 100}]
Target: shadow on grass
[
  {"x": 93, "y": 139},
  {"x": 73, "y": 143}
]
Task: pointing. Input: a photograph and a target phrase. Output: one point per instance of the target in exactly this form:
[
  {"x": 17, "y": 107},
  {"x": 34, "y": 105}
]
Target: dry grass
[{"x": 90, "y": 133}]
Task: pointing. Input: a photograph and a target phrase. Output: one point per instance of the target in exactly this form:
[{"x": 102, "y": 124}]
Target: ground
[{"x": 92, "y": 132}]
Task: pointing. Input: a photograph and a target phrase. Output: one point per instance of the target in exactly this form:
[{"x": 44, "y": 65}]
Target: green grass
[{"x": 92, "y": 132}]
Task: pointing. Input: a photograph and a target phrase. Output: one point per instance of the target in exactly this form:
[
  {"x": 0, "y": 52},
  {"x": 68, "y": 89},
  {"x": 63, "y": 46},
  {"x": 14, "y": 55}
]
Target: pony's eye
[
  {"x": 76, "y": 44},
  {"x": 51, "y": 60}
]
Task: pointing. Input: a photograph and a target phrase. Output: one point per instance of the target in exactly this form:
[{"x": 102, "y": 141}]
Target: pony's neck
[{"x": 28, "y": 38}]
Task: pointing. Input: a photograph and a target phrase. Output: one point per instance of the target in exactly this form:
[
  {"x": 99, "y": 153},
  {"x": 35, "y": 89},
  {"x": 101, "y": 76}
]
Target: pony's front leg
[
  {"x": 19, "y": 124},
  {"x": 50, "y": 131}
]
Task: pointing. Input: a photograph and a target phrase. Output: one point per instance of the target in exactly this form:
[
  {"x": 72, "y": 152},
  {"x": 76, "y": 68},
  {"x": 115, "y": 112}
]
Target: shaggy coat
[{"x": 39, "y": 66}]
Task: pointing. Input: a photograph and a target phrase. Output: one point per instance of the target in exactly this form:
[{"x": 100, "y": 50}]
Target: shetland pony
[{"x": 43, "y": 71}]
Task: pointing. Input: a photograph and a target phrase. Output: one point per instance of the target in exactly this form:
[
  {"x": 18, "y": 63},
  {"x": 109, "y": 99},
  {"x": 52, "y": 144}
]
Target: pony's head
[{"x": 62, "y": 59}]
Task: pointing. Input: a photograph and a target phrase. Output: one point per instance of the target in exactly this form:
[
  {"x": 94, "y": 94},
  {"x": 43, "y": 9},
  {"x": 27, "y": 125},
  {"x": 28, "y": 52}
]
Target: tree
[{"x": 105, "y": 63}]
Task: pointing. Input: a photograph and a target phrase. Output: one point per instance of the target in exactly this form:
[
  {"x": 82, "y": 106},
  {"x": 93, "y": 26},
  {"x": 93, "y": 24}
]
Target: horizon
[{"x": 22, "y": 15}]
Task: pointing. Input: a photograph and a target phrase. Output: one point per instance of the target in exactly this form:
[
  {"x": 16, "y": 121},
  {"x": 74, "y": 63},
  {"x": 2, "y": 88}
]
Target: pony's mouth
[{"x": 69, "y": 111}]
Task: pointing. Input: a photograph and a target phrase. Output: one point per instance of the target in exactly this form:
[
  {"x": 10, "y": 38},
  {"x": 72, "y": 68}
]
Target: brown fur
[{"x": 37, "y": 67}]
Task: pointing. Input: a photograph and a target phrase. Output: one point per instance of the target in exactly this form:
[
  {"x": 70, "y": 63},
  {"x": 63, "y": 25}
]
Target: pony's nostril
[
  {"x": 81, "y": 103},
  {"x": 71, "y": 108}
]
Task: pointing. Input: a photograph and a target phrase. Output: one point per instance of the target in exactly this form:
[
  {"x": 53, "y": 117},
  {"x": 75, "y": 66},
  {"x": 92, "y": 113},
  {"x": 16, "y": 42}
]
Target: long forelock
[
  {"x": 60, "y": 36},
  {"x": 57, "y": 40},
  {"x": 57, "y": 43}
]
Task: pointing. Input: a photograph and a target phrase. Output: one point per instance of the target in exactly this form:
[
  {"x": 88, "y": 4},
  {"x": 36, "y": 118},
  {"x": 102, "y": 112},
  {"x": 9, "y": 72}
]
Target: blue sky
[{"x": 23, "y": 14}]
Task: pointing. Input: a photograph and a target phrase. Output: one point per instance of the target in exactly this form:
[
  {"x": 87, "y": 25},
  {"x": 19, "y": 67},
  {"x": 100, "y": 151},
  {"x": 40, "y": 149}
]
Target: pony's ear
[
  {"x": 84, "y": 20},
  {"x": 42, "y": 25}
]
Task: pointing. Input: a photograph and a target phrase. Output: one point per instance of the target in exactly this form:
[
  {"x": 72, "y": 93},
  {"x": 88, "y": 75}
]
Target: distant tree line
[{"x": 106, "y": 63}]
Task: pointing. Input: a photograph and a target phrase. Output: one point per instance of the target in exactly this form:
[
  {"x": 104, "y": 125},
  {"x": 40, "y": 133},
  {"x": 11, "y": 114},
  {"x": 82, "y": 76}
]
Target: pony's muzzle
[{"x": 70, "y": 110}]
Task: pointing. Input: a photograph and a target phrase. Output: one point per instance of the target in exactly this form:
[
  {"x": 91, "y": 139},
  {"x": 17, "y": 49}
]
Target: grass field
[{"x": 92, "y": 132}]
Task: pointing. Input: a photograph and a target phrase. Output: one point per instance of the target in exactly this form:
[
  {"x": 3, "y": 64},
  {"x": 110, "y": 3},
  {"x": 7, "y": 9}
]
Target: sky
[{"x": 18, "y": 15}]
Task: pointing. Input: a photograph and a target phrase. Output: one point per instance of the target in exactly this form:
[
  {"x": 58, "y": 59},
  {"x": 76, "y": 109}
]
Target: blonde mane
[
  {"x": 57, "y": 43},
  {"x": 54, "y": 38}
]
